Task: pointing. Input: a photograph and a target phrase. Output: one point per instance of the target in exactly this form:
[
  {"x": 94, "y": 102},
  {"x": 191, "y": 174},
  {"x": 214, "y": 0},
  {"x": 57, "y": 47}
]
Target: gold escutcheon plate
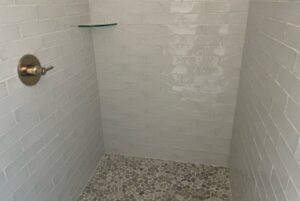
[{"x": 26, "y": 62}]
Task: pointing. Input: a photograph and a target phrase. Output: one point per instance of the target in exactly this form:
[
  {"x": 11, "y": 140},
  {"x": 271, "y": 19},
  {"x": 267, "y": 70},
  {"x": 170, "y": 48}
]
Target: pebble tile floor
[{"x": 120, "y": 178}]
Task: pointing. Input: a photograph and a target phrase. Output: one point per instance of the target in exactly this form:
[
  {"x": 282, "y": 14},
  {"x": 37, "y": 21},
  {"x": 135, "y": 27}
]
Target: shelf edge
[{"x": 96, "y": 25}]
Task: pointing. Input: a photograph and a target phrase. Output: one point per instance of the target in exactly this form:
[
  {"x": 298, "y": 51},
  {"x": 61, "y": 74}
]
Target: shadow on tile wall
[
  {"x": 265, "y": 147},
  {"x": 50, "y": 134}
]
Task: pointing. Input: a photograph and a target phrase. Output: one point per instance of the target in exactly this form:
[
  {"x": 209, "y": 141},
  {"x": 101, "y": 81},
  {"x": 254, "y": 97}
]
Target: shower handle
[
  {"x": 34, "y": 71},
  {"x": 30, "y": 70},
  {"x": 46, "y": 69}
]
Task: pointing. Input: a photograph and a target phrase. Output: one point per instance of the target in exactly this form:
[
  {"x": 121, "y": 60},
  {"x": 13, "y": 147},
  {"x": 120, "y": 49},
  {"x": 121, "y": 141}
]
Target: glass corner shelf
[{"x": 96, "y": 25}]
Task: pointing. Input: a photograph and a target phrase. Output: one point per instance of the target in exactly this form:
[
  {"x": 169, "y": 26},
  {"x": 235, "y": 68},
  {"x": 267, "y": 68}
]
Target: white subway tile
[
  {"x": 22, "y": 160},
  {"x": 36, "y": 28},
  {"x": 17, "y": 14},
  {"x": 29, "y": 132},
  {"x": 293, "y": 113},
  {"x": 6, "y": 2},
  {"x": 9, "y": 33},
  {"x": 288, "y": 12},
  {"x": 164, "y": 37},
  {"x": 11, "y": 154},
  {"x": 38, "y": 132},
  {"x": 6, "y": 122},
  {"x": 19, "y": 48},
  {"x": 287, "y": 130},
  {"x": 3, "y": 90},
  {"x": 289, "y": 83},
  {"x": 269, "y": 84},
  {"x": 2, "y": 179},
  {"x": 292, "y": 37},
  {"x": 291, "y": 192},
  {"x": 217, "y": 7},
  {"x": 13, "y": 184},
  {"x": 51, "y": 11},
  {"x": 13, "y": 101}
]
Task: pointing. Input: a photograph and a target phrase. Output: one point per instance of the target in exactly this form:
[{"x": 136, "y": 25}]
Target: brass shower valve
[
  {"x": 34, "y": 71},
  {"x": 30, "y": 70}
]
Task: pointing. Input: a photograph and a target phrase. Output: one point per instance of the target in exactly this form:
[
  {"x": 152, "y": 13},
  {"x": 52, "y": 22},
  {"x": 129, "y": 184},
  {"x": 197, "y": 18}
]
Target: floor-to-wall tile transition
[
  {"x": 168, "y": 76},
  {"x": 265, "y": 157},
  {"x": 122, "y": 178}
]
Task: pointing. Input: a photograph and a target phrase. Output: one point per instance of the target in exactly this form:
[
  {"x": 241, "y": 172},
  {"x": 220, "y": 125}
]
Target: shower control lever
[
  {"x": 30, "y": 70},
  {"x": 46, "y": 69},
  {"x": 34, "y": 71}
]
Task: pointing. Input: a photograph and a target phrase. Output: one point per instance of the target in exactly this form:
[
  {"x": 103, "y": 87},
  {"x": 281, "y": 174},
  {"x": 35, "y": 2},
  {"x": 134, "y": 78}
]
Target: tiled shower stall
[{"x": 200, "y": 82}]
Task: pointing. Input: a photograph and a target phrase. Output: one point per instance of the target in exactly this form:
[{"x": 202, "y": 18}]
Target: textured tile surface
[
  {"x": 120, "y": 178},
  {"x": 265, "y": 157},
  {"x": 50, "y": 134},
  {"x": 168, "y": 76}
]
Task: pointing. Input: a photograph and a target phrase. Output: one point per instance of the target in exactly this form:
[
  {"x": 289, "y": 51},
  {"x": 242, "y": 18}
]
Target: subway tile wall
[
  {"x": 50, "y": 134},
  {"x": 168, "y": 76},
  {"x": 265, "y": 157}
]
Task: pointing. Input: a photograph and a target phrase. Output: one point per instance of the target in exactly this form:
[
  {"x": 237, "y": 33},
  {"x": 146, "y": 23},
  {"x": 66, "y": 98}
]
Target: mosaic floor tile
[{"x": 120, "y": 178}]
